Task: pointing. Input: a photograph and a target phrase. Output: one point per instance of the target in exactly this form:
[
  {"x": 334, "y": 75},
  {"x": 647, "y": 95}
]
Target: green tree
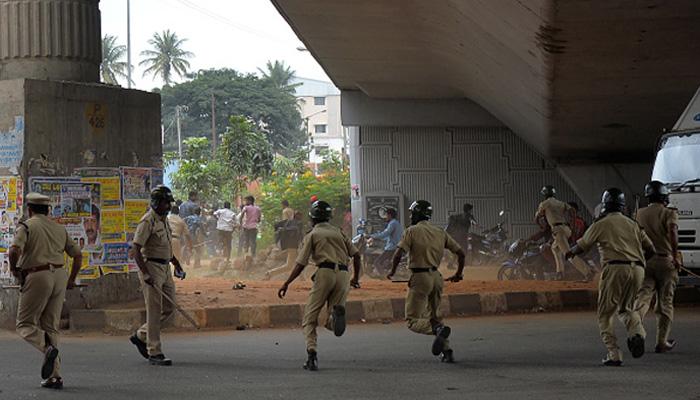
[
  {"x": 166, "y": 56},
  {"x": 245, "y": 152},
  {"x": 273, "y": 110},
  {"x": 198, "y": 171},
  {"x": 113, "y": 67},
  {"x": 280, "y": 75}
]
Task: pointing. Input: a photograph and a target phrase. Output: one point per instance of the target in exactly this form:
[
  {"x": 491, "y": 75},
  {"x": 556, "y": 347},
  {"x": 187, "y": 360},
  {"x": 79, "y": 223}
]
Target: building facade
[{"x": 319, "y": 103}]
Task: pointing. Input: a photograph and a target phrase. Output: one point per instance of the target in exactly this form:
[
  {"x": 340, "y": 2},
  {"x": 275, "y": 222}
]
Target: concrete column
[{"x": 50, "y": 39}]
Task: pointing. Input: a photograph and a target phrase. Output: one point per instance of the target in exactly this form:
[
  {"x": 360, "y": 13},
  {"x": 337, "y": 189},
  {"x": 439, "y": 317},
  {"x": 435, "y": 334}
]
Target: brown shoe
[{"x": 665, "y": 347}]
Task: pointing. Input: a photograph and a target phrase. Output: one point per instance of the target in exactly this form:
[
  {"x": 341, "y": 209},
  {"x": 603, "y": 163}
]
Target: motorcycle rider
[
  {"x": 661, "y": 274},
  {"x": 458, "y": 226},
  {"x": 424, "y": 244},
  {"x": 391, "y": 235},
  {"x": 557, "y": 214},
  {"x": 623, "y": 247}
]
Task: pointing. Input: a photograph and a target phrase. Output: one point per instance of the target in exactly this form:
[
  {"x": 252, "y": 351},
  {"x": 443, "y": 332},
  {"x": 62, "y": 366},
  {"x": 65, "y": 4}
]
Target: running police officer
[
  {"x": 328, "y": 247},
  {"x": 661, "y": 274},
  {"x": 424, "y": 244},
  {"x": 623, "y": 248},
  {"x": 36, "y": 260},
  {"x": 153, "y": 254},
  {"x": 557, "y": 214}
]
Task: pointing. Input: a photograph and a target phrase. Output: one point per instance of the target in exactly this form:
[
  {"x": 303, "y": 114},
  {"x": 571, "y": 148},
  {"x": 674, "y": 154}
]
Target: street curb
[{"x": 377, "y": 310}]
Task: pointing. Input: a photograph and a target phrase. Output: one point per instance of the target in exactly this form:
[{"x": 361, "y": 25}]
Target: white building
[{"x": 319, "y": 103}]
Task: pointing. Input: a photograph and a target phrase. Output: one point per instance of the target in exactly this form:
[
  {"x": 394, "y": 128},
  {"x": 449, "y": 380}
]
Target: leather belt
[
  {"x": 175, "y": 237},
  {"x": 560, "y": 224},
  {"x": 40, "y": 268},
  {"x": 624, "y": 262},
  {"x": 158, "y": 260},
  {"x": 662, "y": 255},
  {"x": 419, "y": 270},
  {"x": 330, "y": 265}
]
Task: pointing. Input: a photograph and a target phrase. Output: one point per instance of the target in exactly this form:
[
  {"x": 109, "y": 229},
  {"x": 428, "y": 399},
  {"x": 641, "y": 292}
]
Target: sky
[{"x": 238, "y": 34}]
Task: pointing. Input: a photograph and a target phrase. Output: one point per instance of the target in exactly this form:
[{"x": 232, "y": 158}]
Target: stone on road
[{"x": 536, "y": 356}]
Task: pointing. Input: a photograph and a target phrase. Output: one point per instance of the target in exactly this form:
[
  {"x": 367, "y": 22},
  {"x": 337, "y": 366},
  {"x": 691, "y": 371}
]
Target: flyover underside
[{"x": 595, "y": 80}]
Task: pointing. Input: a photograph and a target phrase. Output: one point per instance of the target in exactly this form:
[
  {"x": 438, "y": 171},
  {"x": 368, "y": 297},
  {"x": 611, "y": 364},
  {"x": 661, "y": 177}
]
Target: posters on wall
[
  {"x": 12, "y": 147},
  {"x": 10, "y": 208},
  {"x": 100, "y": 208},
  {"x": 110, "y": 182},
  {"x": 136, "y": 183}
]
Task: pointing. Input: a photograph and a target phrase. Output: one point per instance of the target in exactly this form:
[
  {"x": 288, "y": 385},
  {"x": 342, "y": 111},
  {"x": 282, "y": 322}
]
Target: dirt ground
[{"x": 209, "y": 287}]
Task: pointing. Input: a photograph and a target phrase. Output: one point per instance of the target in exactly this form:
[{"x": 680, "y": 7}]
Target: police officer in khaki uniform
[
  {"x": 181, "y": 235},
  {"x": 558, "y": 214},
  {"x": 153, "y": 254},
  {"x": 424, "y": 244},
  {"x": 329, "y": 249},
  {"x": 661, "y": 275},
  {"x": 36, "y": 260},
  {"x": 623, "y": 248}
]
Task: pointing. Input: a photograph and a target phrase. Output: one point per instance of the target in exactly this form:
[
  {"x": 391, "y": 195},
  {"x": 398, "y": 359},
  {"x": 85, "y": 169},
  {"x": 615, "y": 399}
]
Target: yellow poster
[
  {"x": 119, "y": 269},
  {"x": 110, "y": 191},
  {"x": 113, "y": 226},
  {"x": 133, "y": 211},
  {"x": 86, "y": 271}
]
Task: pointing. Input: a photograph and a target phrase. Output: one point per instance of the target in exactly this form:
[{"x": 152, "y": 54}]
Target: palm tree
[
  {"x": 112, "y": 66},
  {"x": 279, "y": 74},
  {"x": 166, "y": 56}
]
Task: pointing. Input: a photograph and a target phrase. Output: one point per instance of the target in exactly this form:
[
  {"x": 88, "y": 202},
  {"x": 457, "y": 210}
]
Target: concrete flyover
[{"x": 588, "y": 85}]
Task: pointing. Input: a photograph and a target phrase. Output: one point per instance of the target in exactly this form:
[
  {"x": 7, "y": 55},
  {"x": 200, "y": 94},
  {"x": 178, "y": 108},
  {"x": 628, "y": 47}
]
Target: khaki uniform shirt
[
  {"x": 424, "y": 243},
  {"x": 43, "y": 243},
  {"x": 153, "y": 235},
  {"x": 178, "y": 226},
  {"x": 326, "y": 243},
  {"x": 287, "y": 214},
  {"x": 556, "y": 211},
  {"x": 619, "y": 238},
  {"x": 656, "y": 220}
]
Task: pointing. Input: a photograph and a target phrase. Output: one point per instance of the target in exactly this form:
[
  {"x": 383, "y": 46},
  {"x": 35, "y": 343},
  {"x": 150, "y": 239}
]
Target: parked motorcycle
[
  {"x": 527, "y": 260},
  {"x": 370, "y": 249},
  {"x": 489, "y": 246}
]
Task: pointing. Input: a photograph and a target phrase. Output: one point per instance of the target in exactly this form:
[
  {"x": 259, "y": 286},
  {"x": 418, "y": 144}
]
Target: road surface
[{"x": 542, "y": 356}]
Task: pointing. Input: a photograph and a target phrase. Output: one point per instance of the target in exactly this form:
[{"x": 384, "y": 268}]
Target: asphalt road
[{"x": 543, "y": 356}]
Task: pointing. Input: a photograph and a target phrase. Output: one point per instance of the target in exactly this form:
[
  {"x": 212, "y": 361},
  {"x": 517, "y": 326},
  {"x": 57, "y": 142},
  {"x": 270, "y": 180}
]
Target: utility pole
[
  {"x": 128, "y": 42},
  {"x": 178, "y": 114},
  {"x": 213, "y": 125}
]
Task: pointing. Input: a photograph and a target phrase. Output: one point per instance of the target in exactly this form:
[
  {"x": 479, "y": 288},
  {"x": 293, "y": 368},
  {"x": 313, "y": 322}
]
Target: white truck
[{"x": 678, "y": 165}]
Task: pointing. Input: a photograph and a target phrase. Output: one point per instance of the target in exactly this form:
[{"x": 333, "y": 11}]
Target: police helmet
[
  {"x": 159, "y": 194},
  {"x": 320, "y": 211},
  {"x": 656, "y": 191},
  {"x": 613, "y": 200},
  {"x": 548, "y": 191},
  {"x": 421, "y": 210}
]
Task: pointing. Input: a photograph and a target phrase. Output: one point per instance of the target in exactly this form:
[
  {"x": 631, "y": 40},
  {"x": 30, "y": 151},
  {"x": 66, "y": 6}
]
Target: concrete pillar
[{"x": 50, "y": 39}]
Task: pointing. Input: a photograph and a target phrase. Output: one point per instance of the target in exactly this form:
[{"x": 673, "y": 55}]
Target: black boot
[
  {"x": 160, "y": 360},
  {"x": 50, "y": 355},
  {"x": 338, "y": 320},
  {"x": 52, "y": 383},
  {"x": 447, "y": 357},
  {"x": 442, "y": 332},
  {"x": 140, "y": 345},
  {"x": 636, "y": 345},
  {"x": 311, "y": 363}
]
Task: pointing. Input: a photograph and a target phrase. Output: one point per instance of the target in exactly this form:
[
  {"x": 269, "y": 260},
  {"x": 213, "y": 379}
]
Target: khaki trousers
[
  {"x": 660, "y": 279},
  {"x": 330, "y": 288},
  {"x": 617, "y": 290},
  {"x": 177, "y": 249},
  {"x": 423, "y": 302},
  {"x": 158, "y": 310},
  {"x": 39, "y": 310},
  {"x": 561, "y": 235}
]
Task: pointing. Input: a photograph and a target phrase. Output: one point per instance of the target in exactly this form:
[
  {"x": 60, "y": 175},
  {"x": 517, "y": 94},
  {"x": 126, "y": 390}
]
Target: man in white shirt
[{"x": 225, "y": 224}]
